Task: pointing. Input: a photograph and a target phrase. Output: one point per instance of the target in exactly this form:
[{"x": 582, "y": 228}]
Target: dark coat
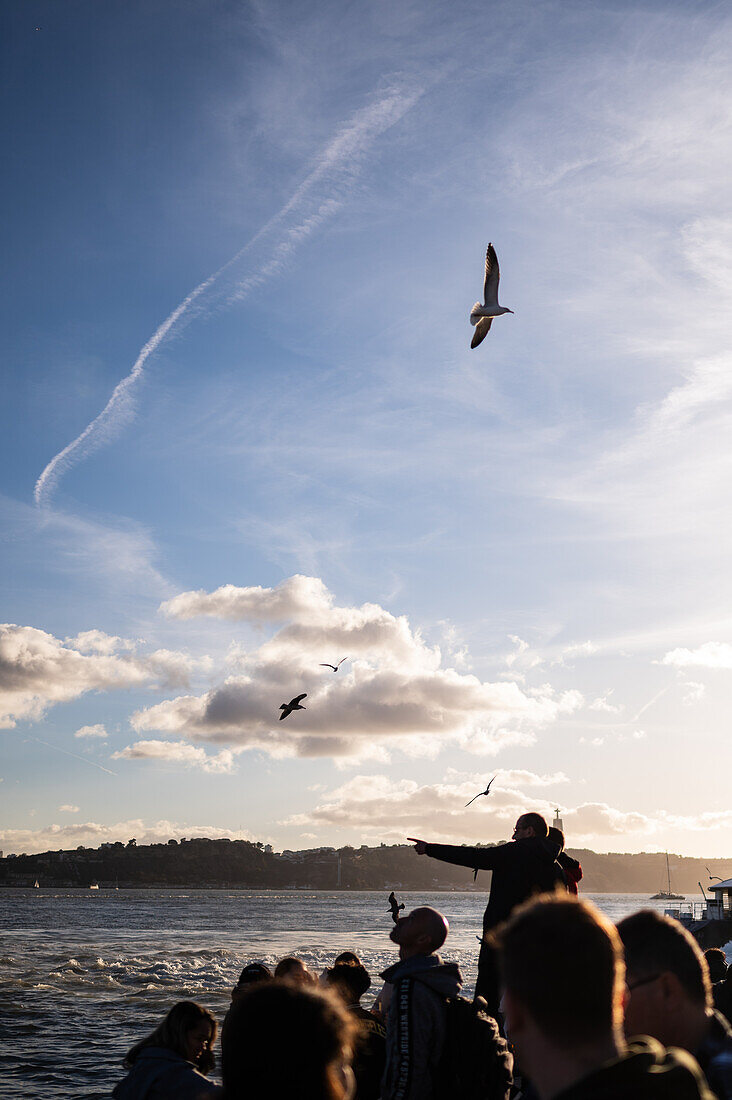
[
  {"x": 160, "y": 1074},
  {"x": 520, "y": 869},
  {"x": 647, "y": 1071}
]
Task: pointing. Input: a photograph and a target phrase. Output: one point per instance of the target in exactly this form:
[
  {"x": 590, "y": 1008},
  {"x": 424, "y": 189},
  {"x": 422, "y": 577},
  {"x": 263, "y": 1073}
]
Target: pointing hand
[{"x": 419, "y": 845}]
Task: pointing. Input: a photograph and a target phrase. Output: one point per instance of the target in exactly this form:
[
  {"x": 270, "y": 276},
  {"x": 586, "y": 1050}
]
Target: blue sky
[{"x": 243, "y": 430}]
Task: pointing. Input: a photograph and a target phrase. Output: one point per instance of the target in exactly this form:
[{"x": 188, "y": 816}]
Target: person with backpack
[{"x": 433, "y": 1036}]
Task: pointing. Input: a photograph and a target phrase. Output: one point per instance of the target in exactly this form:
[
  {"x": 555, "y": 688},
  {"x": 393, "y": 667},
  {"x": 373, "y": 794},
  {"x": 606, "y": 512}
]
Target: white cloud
[
  {"x": 97, "y": 730},
  {"x": 380, "y": 808},
  {"x": 692, "y": 692},
  {"x": 708, "y": 655},
  {"x": 298, "y": 599},
  {"x": 394, "y": 691},
  {"x": 96, "y": 641},
  {"x": 603, "y": 703},
  {"x": 68, "y": 809},
  {"x": 177, "y": 752},
  {"x": 37, "y": 670},
  {"x": 92, "y": 833}
]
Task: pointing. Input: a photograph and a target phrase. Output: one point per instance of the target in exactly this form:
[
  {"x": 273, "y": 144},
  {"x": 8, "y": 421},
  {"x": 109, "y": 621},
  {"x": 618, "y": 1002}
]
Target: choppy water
[{"x": 84, "y": 975}]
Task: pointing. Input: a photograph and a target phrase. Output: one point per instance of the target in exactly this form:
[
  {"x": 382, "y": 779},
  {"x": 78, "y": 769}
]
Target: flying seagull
[
  {"x": 324, "y": 664},
  {"x": 713, "y": 878},
  {"x": 486, "y": 791},
  {"x": 294, "y": 704},
  {"x": 482, "y": 315},
  {"x": 394, "y": 907}
]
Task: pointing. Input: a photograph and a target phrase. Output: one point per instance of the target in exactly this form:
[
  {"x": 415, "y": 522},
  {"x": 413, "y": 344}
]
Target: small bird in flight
[
  {"x": 394, "y": 907},
  {"x": 486, "y": 791},
  {"x": 324, "y": 664},
  {"x": 714, "y": 878},
  {"x": 294, "y": 704},
  {"x": 482, "y": 315}
]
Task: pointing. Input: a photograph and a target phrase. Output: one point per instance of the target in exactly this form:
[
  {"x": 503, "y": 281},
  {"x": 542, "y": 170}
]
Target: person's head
[
  {"x": 556, "y": 836},
  {"x": 421, "y": 932},
  {"x": 562, "y": 971},
  {"x": 669, "y": 992},
  {"x": 188, "y": 1030},
  {"x": 318, "y": 1035},
  {"x": 530, "y": 825},
  {"x": 251, "y": 974},
  {"x": 294, "y": 970},
  {"x": 717, "y": 963},
  {"x": 349, "y": 980},
  {"x": 348, "y": 957}
]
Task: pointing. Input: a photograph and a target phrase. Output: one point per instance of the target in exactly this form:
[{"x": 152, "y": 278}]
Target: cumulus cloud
[
  {"x": 297, "y": 599},
  {"x": 97, "y": 730},
  {"x": 92, "y": 833},
  {"x": 380, "y": 808},
  {"x": 67, "y": 808},
  {"x": 708, "y": 655},
  {"x": 395, "y": 689},
  {"x": 38, "y": 670},
  {"x": 96, "y": 641},
  {"x": 178, "y": 752}
]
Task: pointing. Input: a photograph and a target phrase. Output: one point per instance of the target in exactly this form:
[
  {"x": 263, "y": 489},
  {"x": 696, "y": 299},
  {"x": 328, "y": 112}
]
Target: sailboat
[
  {"x": 36, "y": 885},
  {"x": 667, "y": 895}
]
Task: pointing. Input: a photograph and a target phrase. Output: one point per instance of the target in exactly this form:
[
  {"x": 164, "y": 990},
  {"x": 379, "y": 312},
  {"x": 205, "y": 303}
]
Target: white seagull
[{"x": 482, "y": 315}]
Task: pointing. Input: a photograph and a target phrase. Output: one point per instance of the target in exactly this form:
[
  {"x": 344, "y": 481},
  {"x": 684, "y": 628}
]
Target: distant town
[{"x": 202, "y": 863}]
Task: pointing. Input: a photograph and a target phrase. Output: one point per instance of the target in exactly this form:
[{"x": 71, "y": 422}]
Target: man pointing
[{"x": 525, "y": 866}]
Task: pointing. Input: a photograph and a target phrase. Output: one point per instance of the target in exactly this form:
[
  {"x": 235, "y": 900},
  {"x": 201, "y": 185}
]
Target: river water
[{"x": 85, "y": 974}]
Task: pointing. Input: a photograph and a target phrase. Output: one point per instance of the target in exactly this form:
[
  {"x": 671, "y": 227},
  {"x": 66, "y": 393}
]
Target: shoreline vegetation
[{"x": 202, "y": 863}]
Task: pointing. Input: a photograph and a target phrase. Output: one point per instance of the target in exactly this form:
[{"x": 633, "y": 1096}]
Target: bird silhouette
[
  {"x": 394, "y": 907},
  {"x": 294, "y": 704},
  {"x": 486, "y": 791},
  {"x": 324, "y": 664},
  {"x": 714, "y": 878},
  {"x": 481, "y": 315}
]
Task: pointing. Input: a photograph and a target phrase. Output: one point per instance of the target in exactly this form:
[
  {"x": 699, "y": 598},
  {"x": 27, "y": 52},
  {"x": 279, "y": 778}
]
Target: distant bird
[
  {"x": 394, "y": 907},
  {"x": 294, "y": 704},
  {"x": 486, "y": 791},
  {"x": 714, "y": 878},
  {"x": 324, "y": 664},
  {"x": 482, "y": 315}
]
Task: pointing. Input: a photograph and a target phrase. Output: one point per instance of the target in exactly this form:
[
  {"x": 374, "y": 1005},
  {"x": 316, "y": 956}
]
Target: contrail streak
[
  {"x": 341, "y": 158},
  {"x": 75, "y": 755},
  {"x": 650, "y": 703}
]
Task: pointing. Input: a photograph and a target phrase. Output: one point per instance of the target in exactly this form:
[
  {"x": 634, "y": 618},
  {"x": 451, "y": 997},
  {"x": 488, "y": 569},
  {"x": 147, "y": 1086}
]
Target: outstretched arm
[{"x": 485, "y": 859}]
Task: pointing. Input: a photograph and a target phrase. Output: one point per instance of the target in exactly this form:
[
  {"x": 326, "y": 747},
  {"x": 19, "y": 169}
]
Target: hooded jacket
[
  {"x": 520, "y": 868},
  {"x": 415, "y": 1029},
  {"x": 647, "y": 1071},
  {"x": 161, "y": 1074}
]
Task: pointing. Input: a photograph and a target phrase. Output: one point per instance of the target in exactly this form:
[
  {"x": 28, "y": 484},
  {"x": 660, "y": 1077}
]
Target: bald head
[{"x": 421, "y": 932}]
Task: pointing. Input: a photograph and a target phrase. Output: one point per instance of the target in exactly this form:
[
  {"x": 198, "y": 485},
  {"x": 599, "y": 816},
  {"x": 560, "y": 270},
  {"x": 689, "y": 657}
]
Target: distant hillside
[{"x": 200, "y": 862}]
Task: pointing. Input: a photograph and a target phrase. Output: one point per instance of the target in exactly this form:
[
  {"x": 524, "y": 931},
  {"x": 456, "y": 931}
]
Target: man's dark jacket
[
  {"x": 646, "y": 1071},
  {"x": 520, "y": 869}
]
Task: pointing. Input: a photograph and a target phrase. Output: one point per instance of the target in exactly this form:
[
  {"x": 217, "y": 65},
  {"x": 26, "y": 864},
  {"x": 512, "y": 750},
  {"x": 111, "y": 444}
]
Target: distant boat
[
  {"x": 93, "y": 885},
  {"x": 667, "y": 894},
  {"x": 36, "y": 885}
]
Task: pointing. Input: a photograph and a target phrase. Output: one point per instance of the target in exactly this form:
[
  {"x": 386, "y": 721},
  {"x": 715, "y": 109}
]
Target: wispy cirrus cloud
[{"x": 320, "y": 195}]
